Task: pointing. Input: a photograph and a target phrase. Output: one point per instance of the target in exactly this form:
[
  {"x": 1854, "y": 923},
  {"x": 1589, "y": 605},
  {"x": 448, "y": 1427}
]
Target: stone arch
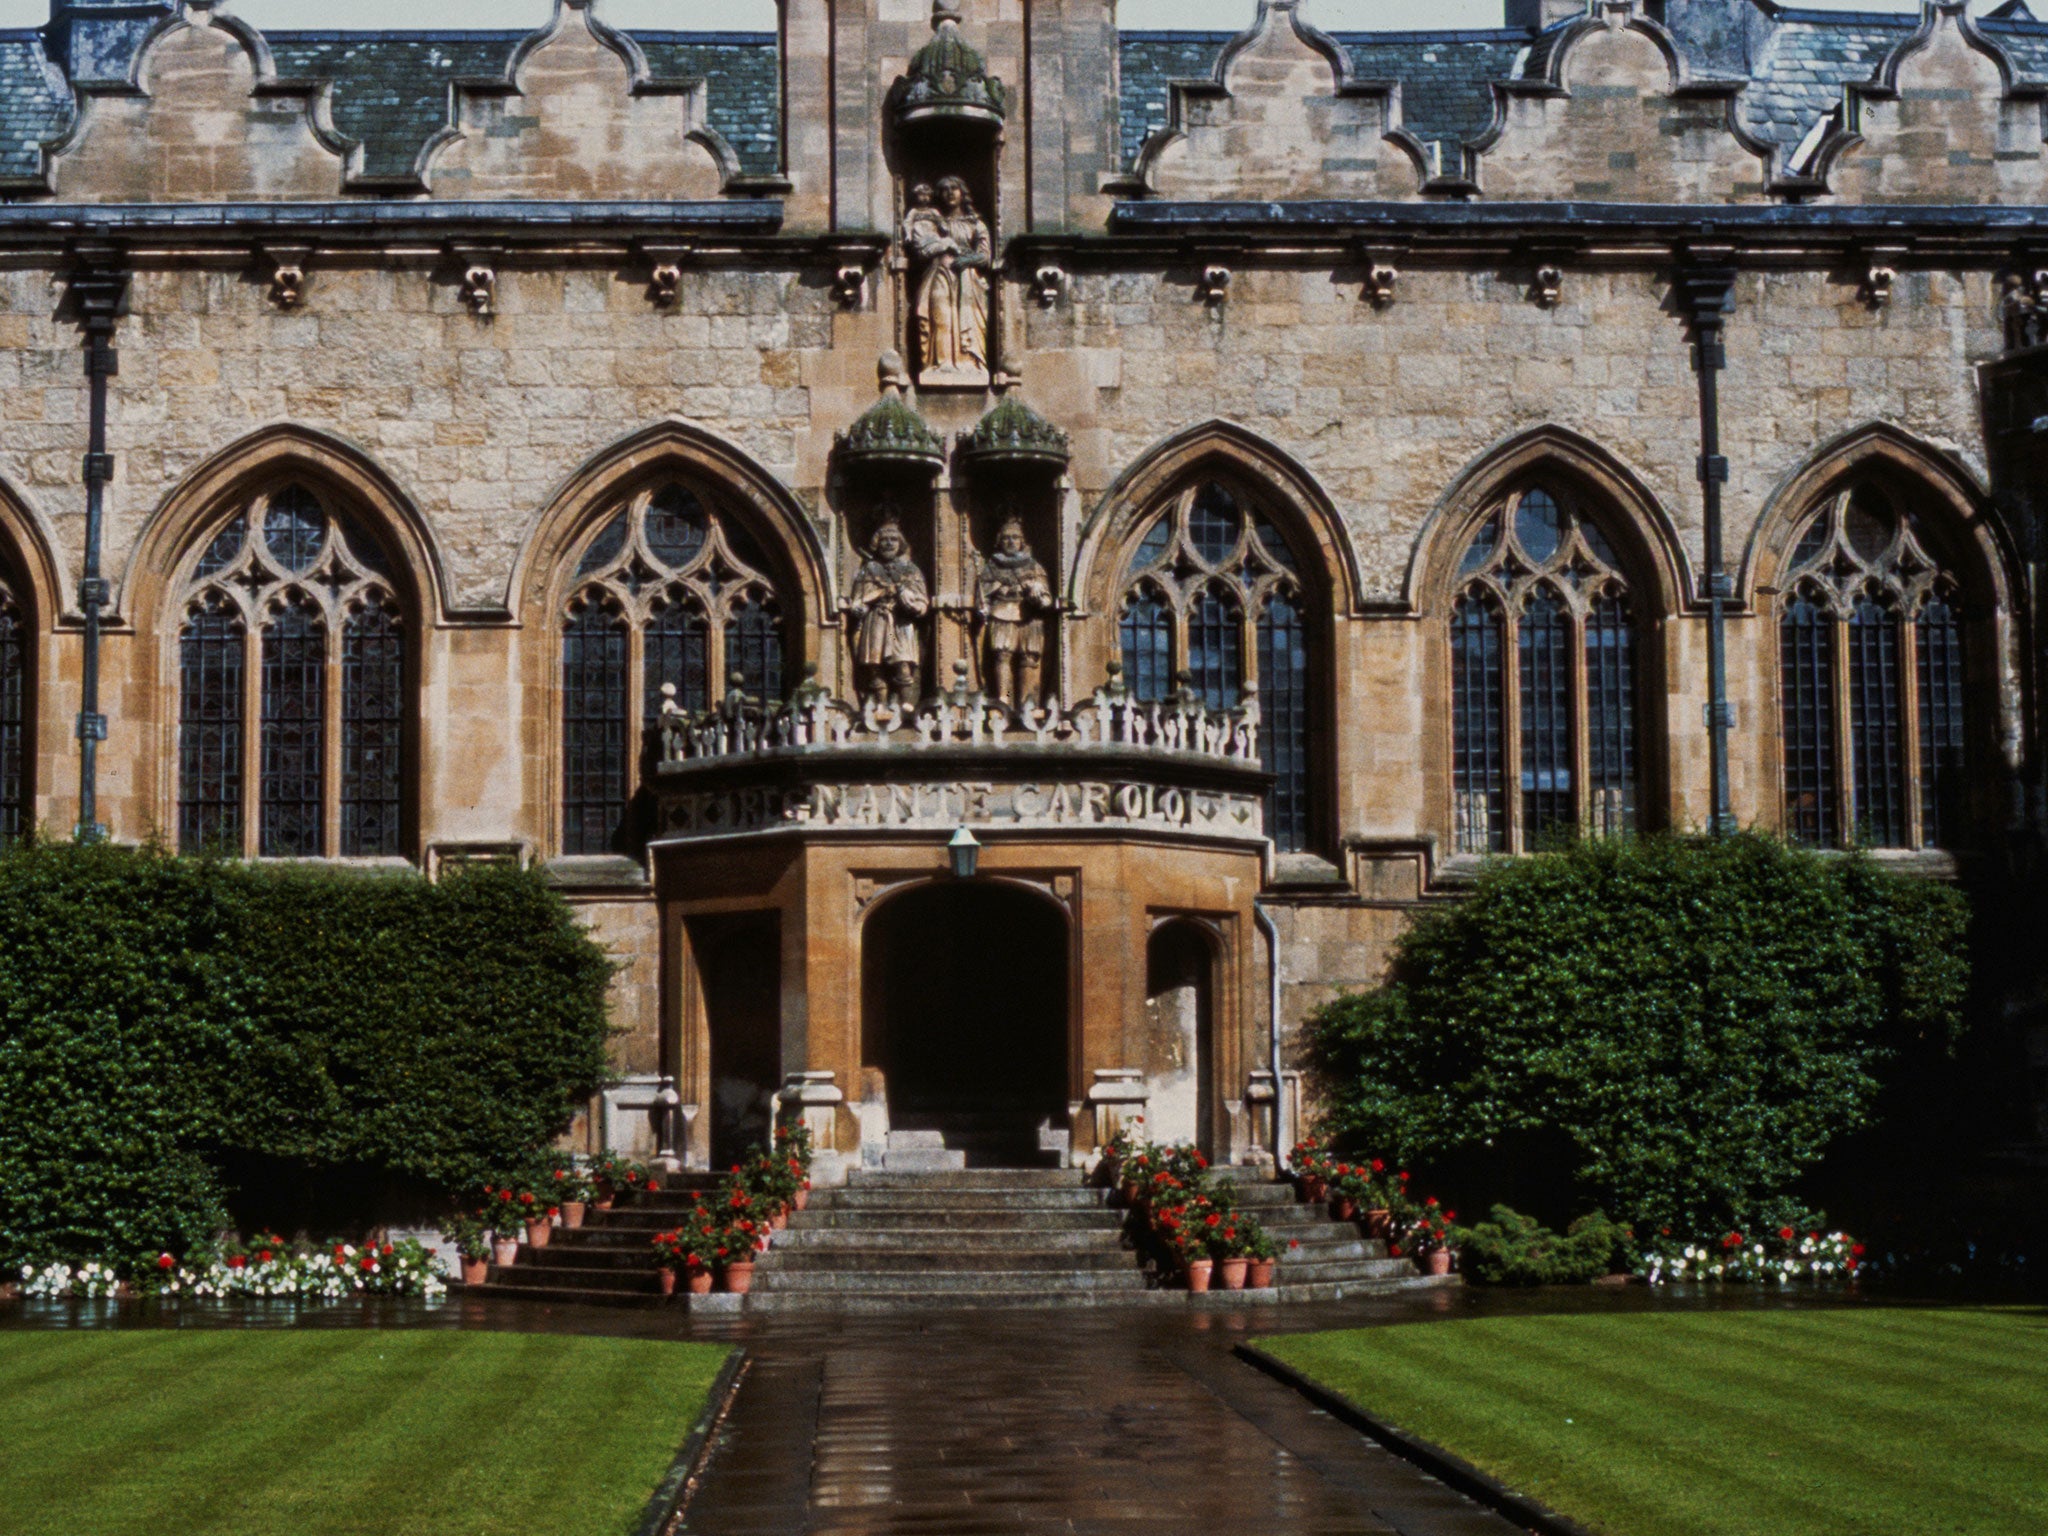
[
  {"x": 1933, "y": 479},
  {"x": 28, "y": 553},
  {"x": 275, "y": 453},
  {"x": 1287, "y": 490},
  {"x": 681, "y": 449},
  {"x": 1638, "y": 519}
]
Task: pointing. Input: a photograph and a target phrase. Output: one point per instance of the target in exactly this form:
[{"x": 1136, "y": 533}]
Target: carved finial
[
  {"x": 944, "y": 11},
  {"x": 890, "y": 371}
]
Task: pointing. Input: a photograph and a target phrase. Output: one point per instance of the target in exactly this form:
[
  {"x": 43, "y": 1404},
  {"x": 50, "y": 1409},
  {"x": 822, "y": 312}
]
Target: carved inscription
[{"x": 939, "y": 806}]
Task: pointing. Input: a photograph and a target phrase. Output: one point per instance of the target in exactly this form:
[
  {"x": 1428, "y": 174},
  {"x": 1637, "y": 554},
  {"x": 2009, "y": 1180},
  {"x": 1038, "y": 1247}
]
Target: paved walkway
[{"x": 1019, "y": 1423}]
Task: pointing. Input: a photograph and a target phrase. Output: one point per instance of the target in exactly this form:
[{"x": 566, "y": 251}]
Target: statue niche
[
  {"x": 951, "y": 254},
  {"x": 888, "y": 600},
  {"x": 1013, "y": 595}
]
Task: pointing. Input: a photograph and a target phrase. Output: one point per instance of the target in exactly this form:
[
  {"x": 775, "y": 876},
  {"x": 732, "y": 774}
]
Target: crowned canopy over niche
[
  {"x": 1281, "y": 119},
  {"x": 1608, "y": 112},
  {"x": 196, "y": 129},
  {"x": 581, "y": 117}
]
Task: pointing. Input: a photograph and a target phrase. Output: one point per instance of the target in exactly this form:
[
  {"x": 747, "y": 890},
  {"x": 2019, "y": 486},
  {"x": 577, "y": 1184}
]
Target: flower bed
[{"x": 267, "y": 1268}]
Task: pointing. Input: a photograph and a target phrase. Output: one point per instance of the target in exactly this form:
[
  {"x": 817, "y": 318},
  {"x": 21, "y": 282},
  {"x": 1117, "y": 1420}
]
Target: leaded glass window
[
  {"x": 1872, "y": 655},
  {"x": 669, "y": 594},
  {"x": 16, "y": 815},
  {"x": 1540, "y": 582},
  {"x": 1214, "y": 598},
  {"x": 294, "y": 711}
]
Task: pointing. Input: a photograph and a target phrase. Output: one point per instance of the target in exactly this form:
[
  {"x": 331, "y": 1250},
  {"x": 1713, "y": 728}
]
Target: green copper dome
[
  {"x": 1013, "y": 431},
  {"x": 948, "y": 78},
  {"x": 891, "y": 432}
]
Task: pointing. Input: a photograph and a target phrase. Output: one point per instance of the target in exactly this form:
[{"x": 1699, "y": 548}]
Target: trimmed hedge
[
  {"x": 1667, "y": 1029},
  {"x": 160, "y": 1016}
]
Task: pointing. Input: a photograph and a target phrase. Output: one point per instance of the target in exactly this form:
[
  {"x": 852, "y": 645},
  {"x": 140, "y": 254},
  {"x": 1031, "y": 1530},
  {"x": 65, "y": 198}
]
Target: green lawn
[
  {"x": 339, "y": 1432},
  {"x": 1811, "y": 1423}
]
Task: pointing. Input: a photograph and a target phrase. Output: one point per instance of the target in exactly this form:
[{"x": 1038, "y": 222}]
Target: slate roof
[
  {"x": 391, "y": 89},
  {"x": 1446, "y": 76},
  {"x": 34, "y": 106}
]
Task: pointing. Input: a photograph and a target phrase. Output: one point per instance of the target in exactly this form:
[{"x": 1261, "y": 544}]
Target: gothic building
[{"x": 998, "y": 560}]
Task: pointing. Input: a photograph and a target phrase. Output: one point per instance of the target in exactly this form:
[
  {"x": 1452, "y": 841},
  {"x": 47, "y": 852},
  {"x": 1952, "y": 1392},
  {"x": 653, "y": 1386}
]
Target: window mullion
[
  {"x": 1511, "y": 728},
  {"x": 1909, "y": 729},
  {"x": 636, "y": 705},
  {"x": 1581, "y": 717},
  {"x": 1845, "y": 733},
  {"x": 332, "y": 674},
  {"x": 252, "y": 737}
]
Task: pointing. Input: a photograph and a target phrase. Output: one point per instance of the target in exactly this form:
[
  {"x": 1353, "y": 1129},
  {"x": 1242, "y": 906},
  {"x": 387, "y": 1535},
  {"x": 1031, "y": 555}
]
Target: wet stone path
[{"x": 1045, "y": 1422}]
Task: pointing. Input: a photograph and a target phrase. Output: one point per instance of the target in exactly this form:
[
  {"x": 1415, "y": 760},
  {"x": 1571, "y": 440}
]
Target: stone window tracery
[
  {"x": 1214, "y": 591},
  {"x": 668, "y": 592},
  {"x": 16, "y": 816},
  {"x": 1556, "y": 747},
  {"x": 292, "y": 621},
  {"x": 1872, "y": 650}
]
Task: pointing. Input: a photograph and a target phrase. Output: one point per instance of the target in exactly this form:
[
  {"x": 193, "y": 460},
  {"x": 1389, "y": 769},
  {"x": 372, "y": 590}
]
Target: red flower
[
  {"x": 263, "y": 1257},
  {"x": 387, "y": 1250},
  {"x": 238, "y": 1262},
  {"x": 1294, "y": 1242},
  {"x": 1394, "y": 1250},
  {"x": 165, "y": 1261},
  {"x": 1402, "y": 1177},
  {"x": 1786, "y": 1234},
  {"x": 1857, "y": 1250},
  {"x": 526, "y": 1199},
  {"x": 1378, "y": 1166},
  {"x": 1450, "y": 1215}
]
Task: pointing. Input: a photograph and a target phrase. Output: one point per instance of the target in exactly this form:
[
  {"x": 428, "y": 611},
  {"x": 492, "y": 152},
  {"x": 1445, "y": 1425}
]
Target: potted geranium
[
  {"x": 508, "y": 1215},
  {"x": 569, "y": 1189},
  {"x": 1430, "y": 1237},
  {"x": 1263, "y": 1253},
  {"x": 738, "y": 1242},
  {"x": 793, "y": 1145},
  {"x": 1349, "y": 1184},
  {"x": 1227, "y": 1248},
  {"x": 470, "y": 1232},
  {"x": 1310, "y": 1161},
  {"x": 676, "y": 1252}
]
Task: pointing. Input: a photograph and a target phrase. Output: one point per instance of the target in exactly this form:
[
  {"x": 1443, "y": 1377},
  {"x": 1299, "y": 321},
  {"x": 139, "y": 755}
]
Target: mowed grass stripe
[
  {"x": 340, "y": 1433},
  {"x": 1780, "y": 1423}
]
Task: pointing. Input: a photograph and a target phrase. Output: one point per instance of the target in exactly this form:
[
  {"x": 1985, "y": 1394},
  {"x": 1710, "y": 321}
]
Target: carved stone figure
[
  {"x": 951, "y": 250},
  {"x": 889, "y": 597},
  {"x": 1013, "y": 595}
]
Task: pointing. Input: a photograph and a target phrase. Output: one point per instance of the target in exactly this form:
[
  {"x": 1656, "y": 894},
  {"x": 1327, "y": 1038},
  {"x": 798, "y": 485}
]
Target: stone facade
[{"x": 482, "y": 296}]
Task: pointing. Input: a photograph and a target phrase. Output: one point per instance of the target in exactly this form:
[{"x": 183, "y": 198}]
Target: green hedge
[
  {"x": 160, "y": 1016},
  {"x": 1665, "y": 1029}
]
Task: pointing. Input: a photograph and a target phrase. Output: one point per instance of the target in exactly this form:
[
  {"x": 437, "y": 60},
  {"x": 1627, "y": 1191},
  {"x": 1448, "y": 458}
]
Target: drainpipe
[
  {"x": 1706, "y": 293},
  {"x": 98, "y": 290},
  {"x": 1266, "y": 925}
]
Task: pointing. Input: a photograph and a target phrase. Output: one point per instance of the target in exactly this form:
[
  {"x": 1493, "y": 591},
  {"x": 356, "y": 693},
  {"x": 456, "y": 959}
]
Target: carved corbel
[
  {"x": 479, "y": 285},
  {"x": 1214, "y": 284},
  {"x": 1881, "y": 274},
  {"x": 1382, "y": 274},
  {"x": 287, "y": 265},
  {"x": 665, "y": 265},
  {"x": 850, "y": 286},
  {"x": 1048, "y": 284},
  {"x": 1549, "y": 289}
]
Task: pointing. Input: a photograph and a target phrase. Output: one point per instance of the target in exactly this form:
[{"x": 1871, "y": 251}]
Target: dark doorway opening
[
  {"x": 965, "y": 1000},
  {"x": 739, "y": 961}
]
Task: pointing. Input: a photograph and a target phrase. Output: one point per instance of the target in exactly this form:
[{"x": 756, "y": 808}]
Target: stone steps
[{"x": 974, "y": 1237}]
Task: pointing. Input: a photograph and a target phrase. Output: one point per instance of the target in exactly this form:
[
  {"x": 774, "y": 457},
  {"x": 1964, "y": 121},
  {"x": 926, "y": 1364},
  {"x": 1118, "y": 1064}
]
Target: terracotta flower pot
[
  {"x": 572, "y": 1214},
  {"x": 779, "y": 1221},
  {"x": 739, "y": 1278},
  {"x": 698, "y": 1281},
  {"x": 1314, "y": 1191},
  {"x": 475, "y": 1271},
  {"x": 1259, "y": 1275},
  {"x": 505, "y": 1251},
  {"x": 803, "y": 1197},
  {"x": 1232, "y": 1272},
  {"x": 537, "y": 1233},
  {"x": 1437, "y": 1262},
  {"x": 1199, "y": 1271},
  {"x": 606, "y": 1195},
  {"x": 1343, "y": 1207},
  {"x": 1129, "y": 1192},
  {"x": 668, "y": 1281},
  {"x": 1379, "y": 1223}
]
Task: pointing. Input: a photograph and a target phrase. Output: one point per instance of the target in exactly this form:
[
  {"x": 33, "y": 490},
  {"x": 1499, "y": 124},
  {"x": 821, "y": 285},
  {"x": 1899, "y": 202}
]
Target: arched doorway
[
  {"x": 965, "y": 993},
  {"x": 1180, "y": 1008}
]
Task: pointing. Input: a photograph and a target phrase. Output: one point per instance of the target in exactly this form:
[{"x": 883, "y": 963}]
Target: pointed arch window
[
  {"x": 16, "y": 813},
  {"x": 1556, "y": 750},
  {"x": 1214, "y": 591},
  {"x": 669, "y": 592},
  {"x": 293, "y": 691},
  {"x": 1872, "y": 651}
]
